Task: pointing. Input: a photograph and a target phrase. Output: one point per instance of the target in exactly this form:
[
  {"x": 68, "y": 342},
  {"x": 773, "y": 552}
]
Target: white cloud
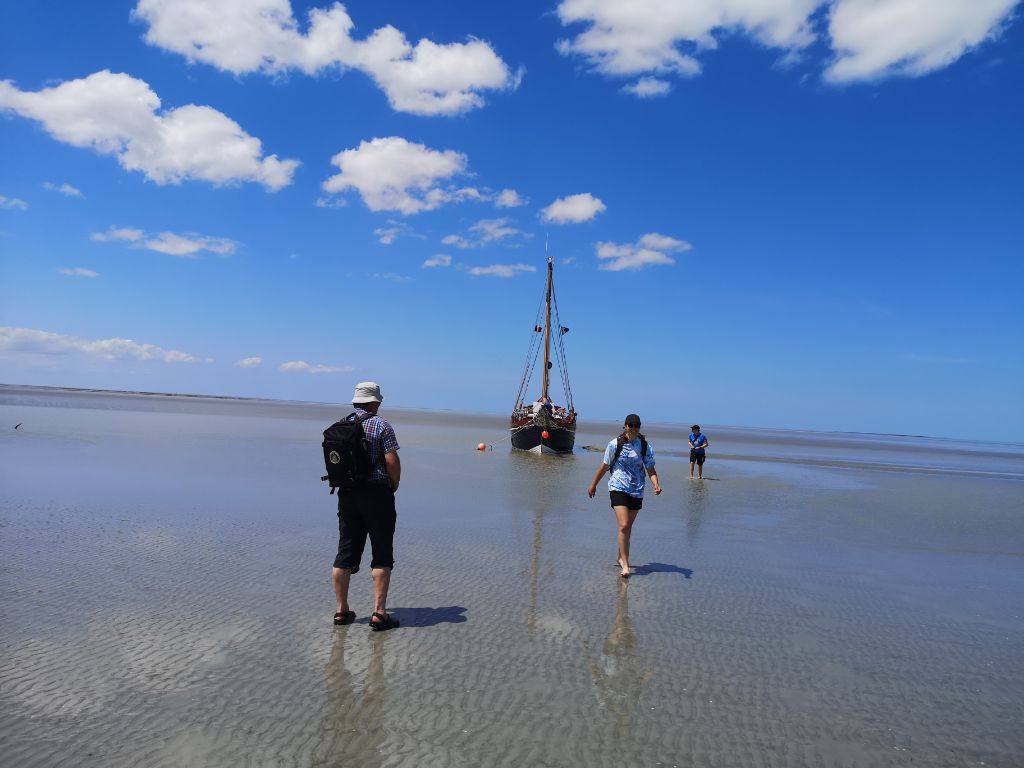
[
  {"x": 249, "y": 362},
  {"x": 573, "y": 209},
  {"x": 393, "y": 277},
  {"x": 908, "y": 37},
  {"x": 648, "y": 88},
  {"x": 502, "y": 270},
  {"x": 301, "y": 366},
  {"x": 64, "y": 189},
  {"x": 78, "y": 272},
  {"x": 34, "y": 342},
  {"x": 649, "y": 250},
  {"x": 126, "y": 234},
  {"x": 115, "y": 114},
  {"x": 392, "y": 174},
  {"x": 491, "y": 230},
  {"x": 871, "y": 39},
  {"x": 509, "y": 198},
  {"x": 386, "y": 236},
  {"x": 13, "y": 203},
  {"x": 395, "y": 229},
  {"x": 645, "y": 36},
  {"x": 457, "y": 240},
  {"x": 189, "y": 245},
  {"x": 263, "y": 35},
  {"x": 438, "y": 260},
  {"x": 331, "y": 202}
]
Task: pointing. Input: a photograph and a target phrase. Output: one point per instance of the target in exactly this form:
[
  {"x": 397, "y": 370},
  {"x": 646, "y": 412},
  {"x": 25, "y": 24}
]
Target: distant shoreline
[{"x": 614, "y": 422}]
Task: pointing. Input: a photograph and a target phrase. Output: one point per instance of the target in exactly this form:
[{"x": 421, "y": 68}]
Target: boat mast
[{"x": 547, "y": 337}]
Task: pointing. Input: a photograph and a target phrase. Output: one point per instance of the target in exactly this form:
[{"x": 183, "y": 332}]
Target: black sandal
[
  {"x": 346, "y": 617},
  {"x": 386, "y": 622}
]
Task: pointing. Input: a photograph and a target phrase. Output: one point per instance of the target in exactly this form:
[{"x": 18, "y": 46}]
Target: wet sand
[{"x": 820, "y": 600}]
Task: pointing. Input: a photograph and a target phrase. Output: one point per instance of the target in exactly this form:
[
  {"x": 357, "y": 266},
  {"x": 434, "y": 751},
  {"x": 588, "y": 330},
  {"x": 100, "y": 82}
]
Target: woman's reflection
[{"x": 618, "y": 675}]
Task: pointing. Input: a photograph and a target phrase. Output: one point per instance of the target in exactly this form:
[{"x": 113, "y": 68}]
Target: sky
[{"x": 772, "y": 213}]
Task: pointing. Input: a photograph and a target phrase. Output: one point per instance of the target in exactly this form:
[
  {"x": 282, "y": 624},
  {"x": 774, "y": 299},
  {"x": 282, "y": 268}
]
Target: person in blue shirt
[
  {"x": 627, "y": 458},
  {"x": 698, "y": 445}
]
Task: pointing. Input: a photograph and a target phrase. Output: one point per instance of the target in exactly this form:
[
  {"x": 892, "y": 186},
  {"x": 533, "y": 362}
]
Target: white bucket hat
[{"x": 367, "y": 392}]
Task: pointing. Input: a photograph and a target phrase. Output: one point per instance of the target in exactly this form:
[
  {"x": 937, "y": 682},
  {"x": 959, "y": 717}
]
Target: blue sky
[{"x": 780, "y": 213}]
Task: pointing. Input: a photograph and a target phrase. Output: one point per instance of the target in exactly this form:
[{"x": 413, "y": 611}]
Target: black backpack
[
  {"x": 347, "y": 452},
  {"x": 621, "y": 441}
]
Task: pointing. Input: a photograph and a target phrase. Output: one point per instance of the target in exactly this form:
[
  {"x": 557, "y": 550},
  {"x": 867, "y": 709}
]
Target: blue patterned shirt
[
  {"x": 381, "y": 437},
  {"x": 628, "y": 474}
]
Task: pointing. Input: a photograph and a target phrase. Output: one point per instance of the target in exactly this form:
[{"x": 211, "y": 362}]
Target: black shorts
[
  {"x": 620, "y": 499},
  {"x": 696, "y": 458},
  {"x": 366, "y": 510}
]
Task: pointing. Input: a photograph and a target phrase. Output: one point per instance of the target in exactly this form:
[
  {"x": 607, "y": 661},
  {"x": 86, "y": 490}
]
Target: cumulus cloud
[
  {"x": 648, "y": 88},
  {"x": 115, "y": 114},
  {"x": 908, "y": 37},
  {"x": 871, "y": 39},
  {"x": 509, "y": 198},
  {"x": 392, "y": 277},
  {"x": 457, "y": 240},
  {"x": 64, "y": 189},
  {"x": 78, "y": 272},
  {"x": 502, "y": 270},
  {"x": 646, "y": 36},
  {"x": 438, "y": 260},
  {"x": 28, "y": 341},
  {"x": 126, "y": 234},
  {"x": 392, "y": 174},
  {"x": 189, "y": 245},
  {"x": 573, "y": 209},
  {"x": 12, "y": 203},
  {"x": 263, "y": 35},
  {"x": 395, "y": 229},
  {"x": 649, "y": 250},
  {"x": 492, "y": 230},
  {"x": 301, "y": 366},
  {"x": 249, "y": 362}
]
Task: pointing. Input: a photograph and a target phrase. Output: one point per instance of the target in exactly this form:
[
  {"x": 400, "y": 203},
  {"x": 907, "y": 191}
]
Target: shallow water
[{"x": 819, "y": 600}]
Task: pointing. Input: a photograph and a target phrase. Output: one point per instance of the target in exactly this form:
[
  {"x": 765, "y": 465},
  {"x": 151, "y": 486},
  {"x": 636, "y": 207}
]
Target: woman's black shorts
[
  {"x": 696, "y": 458},
  {"x": 620, "y": 499}
]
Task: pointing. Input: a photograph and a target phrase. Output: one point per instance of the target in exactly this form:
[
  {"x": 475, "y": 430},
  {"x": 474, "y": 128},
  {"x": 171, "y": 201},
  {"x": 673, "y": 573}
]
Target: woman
[{"x": 626, "y": 458}]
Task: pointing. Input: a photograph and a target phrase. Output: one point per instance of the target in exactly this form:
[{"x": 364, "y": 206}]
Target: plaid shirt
[{"x": 381, "y": 437}]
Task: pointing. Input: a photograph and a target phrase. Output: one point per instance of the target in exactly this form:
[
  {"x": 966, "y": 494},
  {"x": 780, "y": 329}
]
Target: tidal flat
[{"x": 817, "y": 600}]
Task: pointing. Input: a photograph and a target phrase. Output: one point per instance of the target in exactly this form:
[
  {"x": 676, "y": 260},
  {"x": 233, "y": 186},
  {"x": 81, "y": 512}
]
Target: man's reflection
[
  {"x": 695, "y": 509},
  {"x": 352, "y": 732},
  {"x": 618, "y": 675}
]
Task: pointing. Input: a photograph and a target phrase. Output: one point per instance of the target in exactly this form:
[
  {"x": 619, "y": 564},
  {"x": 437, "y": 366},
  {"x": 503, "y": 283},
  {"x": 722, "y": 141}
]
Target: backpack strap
[{"x": 621, "y": 441}]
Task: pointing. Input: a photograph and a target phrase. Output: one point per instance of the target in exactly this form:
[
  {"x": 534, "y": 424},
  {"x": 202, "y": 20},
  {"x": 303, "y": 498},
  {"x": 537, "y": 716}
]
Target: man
[
  {"x": 368, "y": 508},
  {"x": 698, "y": 444}
]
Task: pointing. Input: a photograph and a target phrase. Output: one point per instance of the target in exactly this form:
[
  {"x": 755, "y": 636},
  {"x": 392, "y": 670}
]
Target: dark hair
[
  {"x": 632, "y": 420},
  {"x": 695, "y": 427}
]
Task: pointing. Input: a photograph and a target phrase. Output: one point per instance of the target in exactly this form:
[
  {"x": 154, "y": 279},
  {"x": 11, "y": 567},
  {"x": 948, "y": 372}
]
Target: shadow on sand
[
  {"x": 425, "y": 617},
  {"x": 644, "y": 570}
]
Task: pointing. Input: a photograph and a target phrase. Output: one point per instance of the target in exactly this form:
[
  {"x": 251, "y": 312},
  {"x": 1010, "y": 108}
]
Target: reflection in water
[
  {"x": 550, "y": 481},
  {"x": 352, "y": 730},
  {"x": 695, "y": 509},
  {"x": 618, "y": 676}
]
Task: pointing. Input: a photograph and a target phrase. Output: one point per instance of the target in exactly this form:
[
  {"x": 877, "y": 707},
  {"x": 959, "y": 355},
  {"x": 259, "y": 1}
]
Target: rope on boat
[{"x": 531, "y": 355}]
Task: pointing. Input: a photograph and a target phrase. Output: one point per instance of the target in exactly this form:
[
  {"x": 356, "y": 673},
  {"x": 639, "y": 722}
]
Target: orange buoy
[
  {"x": 481, "y": 447},
  {"x": 544, "y": 434}
]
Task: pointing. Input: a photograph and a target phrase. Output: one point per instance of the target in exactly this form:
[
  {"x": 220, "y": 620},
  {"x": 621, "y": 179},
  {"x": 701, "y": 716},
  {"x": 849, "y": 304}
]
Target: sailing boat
[{"x": 542, "y": 426}]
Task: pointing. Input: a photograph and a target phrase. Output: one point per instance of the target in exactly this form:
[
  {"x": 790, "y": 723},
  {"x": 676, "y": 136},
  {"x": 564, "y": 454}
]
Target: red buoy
[{"x": 544, "y": 434}]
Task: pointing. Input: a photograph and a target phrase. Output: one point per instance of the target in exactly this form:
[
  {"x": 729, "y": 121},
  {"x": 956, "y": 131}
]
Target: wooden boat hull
[{"x": 528, "y": 436}]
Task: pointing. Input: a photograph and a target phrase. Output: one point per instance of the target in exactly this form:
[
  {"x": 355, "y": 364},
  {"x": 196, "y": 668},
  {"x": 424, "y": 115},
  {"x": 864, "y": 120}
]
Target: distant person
[
  {"x": 627, "y": 458},
  {"x": 368, "y": 508},
  {"x": 698, "y": 446}
]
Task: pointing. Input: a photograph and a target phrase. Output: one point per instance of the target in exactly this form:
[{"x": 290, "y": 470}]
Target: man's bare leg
[
  {"x": 340, "y": 578},
  {"x": 700, "y": 471},
  {"x": 691, "y": 470},
  {"x": 381, "y": 582}
]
